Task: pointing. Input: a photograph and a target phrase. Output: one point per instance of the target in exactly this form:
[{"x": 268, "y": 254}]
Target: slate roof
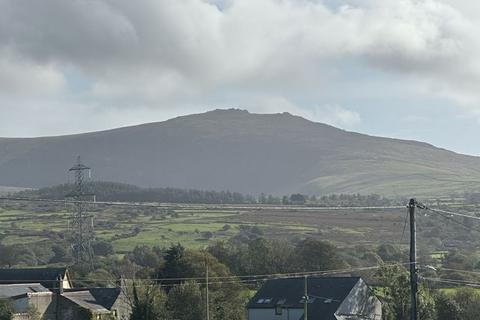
[
  {"x": 98, "y": 300},
  {"x": 47, "y": 277},
  {"x": 8, "y": 291},
  {"x": 327, "y": 294}
]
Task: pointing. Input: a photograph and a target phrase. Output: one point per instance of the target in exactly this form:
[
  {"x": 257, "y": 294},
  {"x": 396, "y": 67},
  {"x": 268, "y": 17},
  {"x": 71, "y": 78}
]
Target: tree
[
  {"x": 100, "y": 278},
  {"x": 145, "y": 256},
  {"x": 181, "y": 263},
  {"x": 447, "y": 308},
  {"x": 314, "y": 255},
  {"x": 261, "y": 256},
  {"x": 465, "y": 302},
  {"x": 186, "y": 294},
  {"x": 227, "y": 254},
  {"x": 227, "y": 300},
  {"x": 5, "y": 310},
  {"x": 389, "y": 252},
  {"x": 175, "y": 265},
  {"x": 396, "y": 282},
  {"x": 60, "y": 254},
  {"x": 147, "y": 302},
  {"x": 297, "y": 198},
  {"x": 7, "y": 256},
  {"x": 102, "y": 248}
]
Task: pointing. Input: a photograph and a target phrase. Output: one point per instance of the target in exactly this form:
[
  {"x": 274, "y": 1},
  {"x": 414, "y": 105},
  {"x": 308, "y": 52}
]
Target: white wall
[
  {"x": 269, "y": 314},
  {"x": 360, "y": 301}
]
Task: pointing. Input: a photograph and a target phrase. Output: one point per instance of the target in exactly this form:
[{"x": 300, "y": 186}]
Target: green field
[
  {"x": 128, "y": 228},
  {"x": 196, "y": 227}
]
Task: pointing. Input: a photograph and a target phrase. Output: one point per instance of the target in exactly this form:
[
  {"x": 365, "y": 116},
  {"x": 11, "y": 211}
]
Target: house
[
  {"x": 49, "y": 292},
  {"x": 26, "y": 297},
  {"x": 332, "y": 298},
  {"x": 50, "y": 278},
  {"x": 97, "y": 303}
]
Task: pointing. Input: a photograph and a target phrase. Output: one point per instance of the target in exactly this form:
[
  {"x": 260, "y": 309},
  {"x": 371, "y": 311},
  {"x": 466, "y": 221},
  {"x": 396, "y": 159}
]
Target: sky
[{"x": 406, "y": 69}]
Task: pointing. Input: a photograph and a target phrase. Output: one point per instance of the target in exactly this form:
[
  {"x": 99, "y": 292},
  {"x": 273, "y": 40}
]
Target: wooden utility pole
[
  {"x": 207, "y": 311},
  {"x": 413, "y": 258},
  {"x": 305, "y": 299}
]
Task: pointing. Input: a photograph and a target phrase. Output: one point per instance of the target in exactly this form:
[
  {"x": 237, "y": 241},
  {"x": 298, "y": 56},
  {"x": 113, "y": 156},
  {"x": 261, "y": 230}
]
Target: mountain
[{"x": 240, "y": 151}]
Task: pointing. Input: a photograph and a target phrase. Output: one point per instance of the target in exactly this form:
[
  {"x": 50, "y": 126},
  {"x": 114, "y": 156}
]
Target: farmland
[{"x": 198, "y": 226}]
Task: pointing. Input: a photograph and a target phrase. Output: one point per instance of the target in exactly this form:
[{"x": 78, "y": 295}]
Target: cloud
[
  {"x": 249, "y": 39},
  {"x": 337, "y": 116},
  {"x": 20, "y": 77},
  {"x": 330, "y": 114},
  {"x": 163, "y": 55}
]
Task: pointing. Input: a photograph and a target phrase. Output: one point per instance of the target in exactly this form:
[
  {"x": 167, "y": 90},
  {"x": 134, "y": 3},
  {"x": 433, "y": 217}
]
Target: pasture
[{"x": 196, "y": 227}]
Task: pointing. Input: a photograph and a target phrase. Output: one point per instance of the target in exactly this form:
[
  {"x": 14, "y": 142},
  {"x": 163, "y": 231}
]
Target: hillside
[{"x": 239, "y": 151}]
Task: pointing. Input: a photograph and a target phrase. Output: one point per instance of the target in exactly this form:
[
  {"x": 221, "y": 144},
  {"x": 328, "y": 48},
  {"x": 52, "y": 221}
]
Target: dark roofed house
[
  {"x": 335, "y": 298},
  {"x": 49, "y": 290},
  {"x": 100, "y": 303},
  {"x": 47, "y": 277}
]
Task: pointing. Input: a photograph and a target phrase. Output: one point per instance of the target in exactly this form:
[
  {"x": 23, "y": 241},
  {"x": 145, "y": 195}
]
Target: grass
[
  {"x": 9, "y": 240},
  {"x": 127, "y": 228},
  {"x": 192, "y": 228},
  {"x": 439, "y": 255}
]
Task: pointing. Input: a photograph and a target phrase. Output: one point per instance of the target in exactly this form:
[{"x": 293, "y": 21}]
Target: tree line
[
  {"x": 168, "y": 278},
  {"x": 113, "y": 191}
]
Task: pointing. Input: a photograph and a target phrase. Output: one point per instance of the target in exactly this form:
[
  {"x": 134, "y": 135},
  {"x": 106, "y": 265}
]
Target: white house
[{"x": 335, "y": 298}]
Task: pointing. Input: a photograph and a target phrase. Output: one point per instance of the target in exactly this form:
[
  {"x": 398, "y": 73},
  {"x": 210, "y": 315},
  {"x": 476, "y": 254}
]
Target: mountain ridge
[{"x": 245, "y": 152}]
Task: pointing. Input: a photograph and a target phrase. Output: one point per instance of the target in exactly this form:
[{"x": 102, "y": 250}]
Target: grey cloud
[
  {"x": 164, "y": 54},
  {"x": 198, "y": 40}
]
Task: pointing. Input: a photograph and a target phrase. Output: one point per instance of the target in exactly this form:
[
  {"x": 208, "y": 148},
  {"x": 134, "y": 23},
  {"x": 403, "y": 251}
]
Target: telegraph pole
[
  {"x": 413, "y": 258},
  {"x": 305, "y": 299},
  {"x": 207, "y": 311}
]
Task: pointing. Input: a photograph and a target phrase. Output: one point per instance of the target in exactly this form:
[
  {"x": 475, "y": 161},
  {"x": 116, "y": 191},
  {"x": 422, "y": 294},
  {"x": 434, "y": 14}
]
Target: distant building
[
  {"x": 23, "y": 297},
  {"x": 342, "y": 298},
  {"x": 50, "y": 278},
  {"x": 96, "y": 303},
  {"x": 53, "y": 298}
]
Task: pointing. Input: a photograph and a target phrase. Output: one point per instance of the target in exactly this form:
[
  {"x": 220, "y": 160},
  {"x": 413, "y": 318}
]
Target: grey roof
[
  {"x": 47, "y": 277},
  {"x": 327, "y": 294},
  {"x": 13, "y": 290},
  {"x": 98, "y": 300}
]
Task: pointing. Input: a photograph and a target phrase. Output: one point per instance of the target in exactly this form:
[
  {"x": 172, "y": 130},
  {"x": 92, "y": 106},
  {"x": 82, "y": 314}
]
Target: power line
[
  {"x": 450, "y": 214},
  {"x": 469, "y": 227},
  {"x": 462, "y": 271},
  {"x": 404, "y": 226},
  {"x": 254, "y": 277},
  {"x": 453, "y": 281},
  {"x": 424, "y": 207},
  {"x": 202, "y": 205}
]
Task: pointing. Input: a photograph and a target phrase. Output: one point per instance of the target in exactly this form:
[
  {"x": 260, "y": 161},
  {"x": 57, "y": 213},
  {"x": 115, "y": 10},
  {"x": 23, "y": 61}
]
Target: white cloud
[
  {"x": 337, "y": 116},
  {"x": 330, "y": 114},
  {"x": 20, "y": 77},
  {"x": 163, "y": 55}
]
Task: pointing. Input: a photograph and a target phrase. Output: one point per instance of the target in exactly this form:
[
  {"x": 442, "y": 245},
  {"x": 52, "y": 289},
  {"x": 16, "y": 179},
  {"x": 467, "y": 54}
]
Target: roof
[
  {"x": 47, "y": 277},
  {"x": 8, "y": 291},
  {"x": 98, "y": 300},
  {"x": 326, "y": 294}
]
